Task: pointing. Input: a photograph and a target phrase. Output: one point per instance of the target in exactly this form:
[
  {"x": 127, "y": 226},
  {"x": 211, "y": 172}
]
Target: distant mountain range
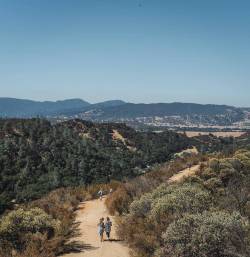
[
  {"x": 130, "y": 110},
  {"x": 19, "y": 108},
  {"x": 183, "y": 114}
]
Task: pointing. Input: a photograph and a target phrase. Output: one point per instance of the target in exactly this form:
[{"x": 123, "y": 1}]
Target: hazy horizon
[
  {"x": 124, "y": 100},
  {"x": 140, "y": 51}
]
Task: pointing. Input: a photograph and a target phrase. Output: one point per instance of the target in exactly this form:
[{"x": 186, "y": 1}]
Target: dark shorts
[{"x": 107, "y": 234}]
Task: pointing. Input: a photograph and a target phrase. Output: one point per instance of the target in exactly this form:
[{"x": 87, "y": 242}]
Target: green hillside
[{"x": 37, "y": 157}]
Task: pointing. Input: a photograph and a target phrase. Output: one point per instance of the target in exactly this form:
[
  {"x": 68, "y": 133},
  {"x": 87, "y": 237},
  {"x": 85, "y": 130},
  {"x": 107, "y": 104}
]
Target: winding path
[
  {"x": 184, "y": 173},
  {"x": 88, "y": 216}
]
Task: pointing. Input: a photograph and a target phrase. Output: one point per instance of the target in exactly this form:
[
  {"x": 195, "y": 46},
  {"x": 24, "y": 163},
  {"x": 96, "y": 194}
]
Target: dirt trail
[
  {"x": 184, "y": 173},
  {"x": 88, "y": 216}
]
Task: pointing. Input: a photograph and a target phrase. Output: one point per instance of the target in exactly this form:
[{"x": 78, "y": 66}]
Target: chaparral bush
[
  {"x": 17, "y": 225},
  {"x": 206, "y": 215},
  {"x": 219, "y": 234}
]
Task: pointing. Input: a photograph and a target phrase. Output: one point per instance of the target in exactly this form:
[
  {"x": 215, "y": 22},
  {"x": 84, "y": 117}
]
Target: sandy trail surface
[
  {"x": 88, "y": 216},
  {"x": 184, "y": 173}
]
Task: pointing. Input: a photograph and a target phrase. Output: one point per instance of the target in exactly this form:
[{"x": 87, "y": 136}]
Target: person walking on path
[
  {"x": 108, "y": 225},
  {"x": 100, "y": 194},
  {"x": 101, "y": 228}
]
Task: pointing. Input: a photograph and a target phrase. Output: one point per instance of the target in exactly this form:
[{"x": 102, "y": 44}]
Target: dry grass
[
  {"x": 217, "y": 134},
  {"x": 61, "y": 204},
  {"x": 120, "y": 200},
  {"x": 116, "y": 135}
]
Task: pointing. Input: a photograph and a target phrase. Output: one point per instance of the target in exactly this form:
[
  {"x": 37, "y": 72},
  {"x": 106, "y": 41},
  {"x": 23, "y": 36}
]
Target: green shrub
[
  {"x": 20, "y": 223},
  {"x": 163, "y": 190},
  {"x": 150, "y": 215},
  {"x": 56, "y": 211},
  {"x": 209, "y": 234},
  {"x": 207, "y": 215},
  {"x": 187, "y": 198},
  {"x": 244, "y": 157},
  {"x": 142, "y": 206}
]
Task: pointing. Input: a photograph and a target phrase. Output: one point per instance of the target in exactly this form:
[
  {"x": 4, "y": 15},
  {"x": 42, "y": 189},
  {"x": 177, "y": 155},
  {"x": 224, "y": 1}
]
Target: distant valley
[{"x": 185, "y": 116}]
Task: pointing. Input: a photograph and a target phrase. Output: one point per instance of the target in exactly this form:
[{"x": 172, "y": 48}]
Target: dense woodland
[{"x": 37, "y": 157}]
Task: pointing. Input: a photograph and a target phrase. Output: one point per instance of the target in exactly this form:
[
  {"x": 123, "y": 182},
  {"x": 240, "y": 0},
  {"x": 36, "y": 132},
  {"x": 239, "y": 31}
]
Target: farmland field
[{"x": 218, "y": 134}]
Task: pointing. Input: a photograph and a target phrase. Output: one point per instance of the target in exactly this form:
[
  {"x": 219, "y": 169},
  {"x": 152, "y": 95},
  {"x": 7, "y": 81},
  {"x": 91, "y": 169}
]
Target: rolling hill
[
  {"x": 169, "y": 114},
  {"x": 166, "y": 114},
  {"x": 37, "y": 156},
  {"x": 19, "y": 108},
  {"x": 130, "y": 110}
]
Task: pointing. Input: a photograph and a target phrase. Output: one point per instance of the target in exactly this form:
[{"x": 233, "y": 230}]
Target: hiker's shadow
[{"x": 113, "y": 240}]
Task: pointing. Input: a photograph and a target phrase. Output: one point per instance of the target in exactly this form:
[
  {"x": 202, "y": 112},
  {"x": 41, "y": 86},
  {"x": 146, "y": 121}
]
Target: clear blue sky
[{"x": 135, "y": 50}]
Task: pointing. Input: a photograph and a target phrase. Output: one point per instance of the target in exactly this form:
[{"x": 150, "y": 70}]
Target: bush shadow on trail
[
  {"x": 77, "y": 247},
  {"x": 80, "y": 207}
]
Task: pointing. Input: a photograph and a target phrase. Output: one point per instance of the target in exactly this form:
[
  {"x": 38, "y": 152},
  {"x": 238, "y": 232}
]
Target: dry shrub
[
  {"x": 140, "y": 235},
  {"x": 5, "y": 248},
  {"x": 149, "y": 215},
  {"x": 61, "y": 205},
  {"x": 120, "y": 200},
  {"x": 222, "y": 184},
  {"x": 136, "y": 226},
  {"x": 38, "y": 246}
]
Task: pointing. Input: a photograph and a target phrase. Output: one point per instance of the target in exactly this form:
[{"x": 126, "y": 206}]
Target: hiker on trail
[
  {"x": 101, "y": 228},
  {"x": 100, "y": 194},
  {"x": 108, "y": 225}
]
